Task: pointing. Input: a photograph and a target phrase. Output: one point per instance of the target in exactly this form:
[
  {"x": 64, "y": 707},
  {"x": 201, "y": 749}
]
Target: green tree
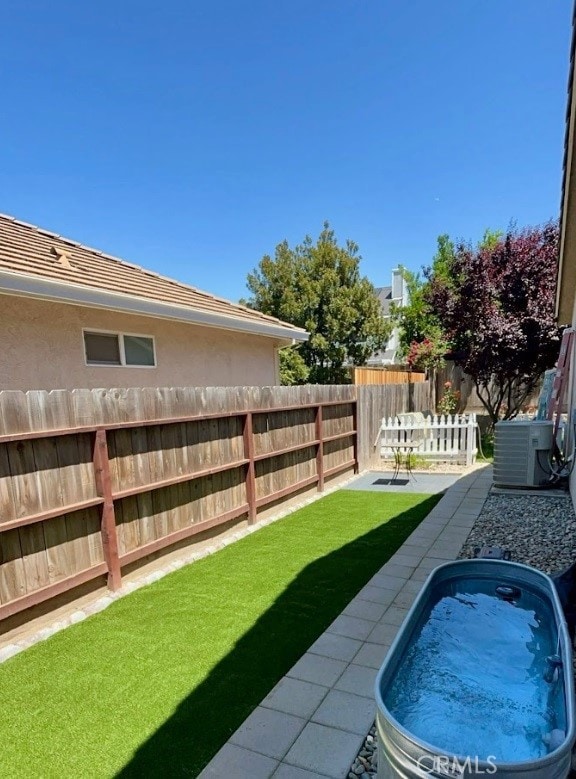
[
  {"x": 318, "y": 286},
  {"x": 499, "y": 316},
  {"x": 416, "y": 321},
  {"x": 443, "y": 261},
  {"x": 293, "y": 369},
  {"x": 421, "y": 329}
]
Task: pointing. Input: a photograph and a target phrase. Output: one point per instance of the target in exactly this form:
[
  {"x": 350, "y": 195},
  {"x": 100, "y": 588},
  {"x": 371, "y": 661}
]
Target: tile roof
[
  {"x": 384, "y": 295},
  {"x": 31, "y": 251}
]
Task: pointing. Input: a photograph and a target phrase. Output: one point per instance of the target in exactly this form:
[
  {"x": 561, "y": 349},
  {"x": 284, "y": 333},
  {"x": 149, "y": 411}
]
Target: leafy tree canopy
[
  {"x": 495, "y": 303},
  {"x": 318, "y": 286},
  {"x": 416, "y": 321},
  {"x": 293, "y": 369}
]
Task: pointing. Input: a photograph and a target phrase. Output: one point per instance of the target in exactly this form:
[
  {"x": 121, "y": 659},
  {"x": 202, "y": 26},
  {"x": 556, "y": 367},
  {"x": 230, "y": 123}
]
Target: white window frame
[{"x": 120, "y": 335}]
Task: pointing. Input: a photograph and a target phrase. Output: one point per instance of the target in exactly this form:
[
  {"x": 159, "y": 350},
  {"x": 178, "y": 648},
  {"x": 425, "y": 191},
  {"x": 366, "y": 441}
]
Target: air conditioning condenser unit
[{"x": 521, "y": 453}]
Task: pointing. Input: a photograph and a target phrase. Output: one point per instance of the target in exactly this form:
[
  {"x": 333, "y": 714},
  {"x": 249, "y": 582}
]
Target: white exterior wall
[{"x": 400, "y": 297}]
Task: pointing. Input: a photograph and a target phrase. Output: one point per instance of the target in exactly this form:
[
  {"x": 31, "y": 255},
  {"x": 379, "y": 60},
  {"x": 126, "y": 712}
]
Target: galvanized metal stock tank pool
[{"x": 479, "y": 679}]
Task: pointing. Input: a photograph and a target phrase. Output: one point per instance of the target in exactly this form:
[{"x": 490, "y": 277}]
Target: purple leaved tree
[{"x": 496, "y": 305}]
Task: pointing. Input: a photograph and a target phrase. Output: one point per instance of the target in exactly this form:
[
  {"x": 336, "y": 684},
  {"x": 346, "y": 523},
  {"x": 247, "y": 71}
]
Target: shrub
[{"x": 450, "y": 400}]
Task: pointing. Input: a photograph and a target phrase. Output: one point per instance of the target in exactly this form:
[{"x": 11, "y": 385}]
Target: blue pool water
[{"x": 471, "y": 681}]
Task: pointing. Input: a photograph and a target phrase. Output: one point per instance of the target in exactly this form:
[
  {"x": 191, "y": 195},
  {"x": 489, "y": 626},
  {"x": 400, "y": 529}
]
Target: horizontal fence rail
[
  {"x": 93, "y": 481},
  {"x": 448, "y": 438}
]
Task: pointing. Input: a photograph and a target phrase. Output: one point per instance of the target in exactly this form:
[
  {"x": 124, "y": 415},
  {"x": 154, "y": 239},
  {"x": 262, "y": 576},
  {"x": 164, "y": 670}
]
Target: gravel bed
[
  {"x": 365, "y": 764},
  {"x": 538, "y": 530}
]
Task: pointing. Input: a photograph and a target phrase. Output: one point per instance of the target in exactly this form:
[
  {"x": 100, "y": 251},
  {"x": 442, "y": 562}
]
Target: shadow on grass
[{"x": 205, "y": 720}]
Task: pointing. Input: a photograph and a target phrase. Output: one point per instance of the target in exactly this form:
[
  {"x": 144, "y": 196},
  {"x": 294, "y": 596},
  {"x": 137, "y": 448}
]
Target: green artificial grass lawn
[{"x": 155, "y": 684}]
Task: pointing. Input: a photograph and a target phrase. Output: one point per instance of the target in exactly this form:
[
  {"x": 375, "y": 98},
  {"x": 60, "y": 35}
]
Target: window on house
[
  {"x": 119, "y": 349},
  {"x": 138, "y": 350}
]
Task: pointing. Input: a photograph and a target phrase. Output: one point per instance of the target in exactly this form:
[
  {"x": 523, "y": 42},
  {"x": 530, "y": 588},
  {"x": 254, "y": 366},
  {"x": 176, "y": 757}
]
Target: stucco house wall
[
  {"x": 64, "y": 305},
  {"x": 42, "y": 347}
]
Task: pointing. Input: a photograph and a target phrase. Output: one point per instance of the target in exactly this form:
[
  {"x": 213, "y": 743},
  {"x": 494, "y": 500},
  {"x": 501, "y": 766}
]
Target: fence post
[
  {"x": 108, "y": 523},
  {"x": 355, "y": 424},
  {"x": 470, "y": 439},
  {"x": 319, "y": 448},
  {"x": 248, "y": 436}
]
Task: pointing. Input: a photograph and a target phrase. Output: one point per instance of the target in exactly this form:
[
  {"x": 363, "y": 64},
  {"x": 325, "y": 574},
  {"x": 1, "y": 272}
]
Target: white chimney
[{"x": 397, "y": 284}]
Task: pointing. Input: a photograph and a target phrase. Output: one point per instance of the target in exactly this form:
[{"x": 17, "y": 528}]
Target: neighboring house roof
[
  {"x": 384, "y": 295},
  {"x": 566, "y": 288},
  {"x": 42, "y": 264}
]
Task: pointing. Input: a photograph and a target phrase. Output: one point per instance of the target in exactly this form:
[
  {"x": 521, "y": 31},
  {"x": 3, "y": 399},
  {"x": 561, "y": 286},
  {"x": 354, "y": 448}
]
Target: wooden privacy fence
[
  {"x": 376, "y": 402},
  {"x": 440, "y": 438},
  {"x": 94, "y": 480},
  {"x": 386, "y": 376}
]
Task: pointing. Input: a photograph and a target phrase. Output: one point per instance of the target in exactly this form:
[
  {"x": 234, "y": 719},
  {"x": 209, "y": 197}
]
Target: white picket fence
[{"x": 439, "y": 437}]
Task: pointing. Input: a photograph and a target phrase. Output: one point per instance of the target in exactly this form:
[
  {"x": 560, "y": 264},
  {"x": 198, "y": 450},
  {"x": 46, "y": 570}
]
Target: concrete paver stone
[
  {"x": 378, "y": 595},
  {"x": 387, "y": 582},
  {"x": 317, "y": 669},
  {"x": 357, "y": 679},
  {"x": 286, "y": 771},
  {"x": 294, "y": 696},
  {"x": 383, "y": 633},
  {"x": 394, "y": 615},
  {"x": 407, "y": 559},
  {"x": 234, "y": 761},
  {"x": 268, "y": 732},
  {"x": 326, "y": 750},
  {"x": 346, "y": 711},
  {"x": 401, "y": 571},
  {"x": 336, "y": 647},
  {"x": 371, "y": 655},
  {"x": 404, "y": 599},
  {"x": 365, "y": 609},
  {"x": 353, "y": 627}
]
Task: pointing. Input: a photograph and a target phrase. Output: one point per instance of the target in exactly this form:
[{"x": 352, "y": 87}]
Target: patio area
[
  {"x": 430, "y": 483},
  {"x": 315, "y": 721}
]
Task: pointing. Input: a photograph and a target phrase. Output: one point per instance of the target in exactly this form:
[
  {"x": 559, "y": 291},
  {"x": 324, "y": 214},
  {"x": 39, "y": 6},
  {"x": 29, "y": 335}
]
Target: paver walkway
[{"x": 313, "y": 723}]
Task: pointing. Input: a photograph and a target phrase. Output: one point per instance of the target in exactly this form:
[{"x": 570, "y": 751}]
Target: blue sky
[{"x": 192, "y": 136}]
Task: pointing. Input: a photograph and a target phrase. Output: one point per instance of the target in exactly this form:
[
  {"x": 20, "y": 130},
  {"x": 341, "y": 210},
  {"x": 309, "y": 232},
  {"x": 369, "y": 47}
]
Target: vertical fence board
[
  {"x": 7, "y": 500},
  {"x": 12, "y": 574},
  {"x": 91, "y": 541},
  {"x": 14, "y": 415},
  {"x": 51, "y": 496},
  {"x": 26, "y": 484},
  {"x": 182, "y": 465},
  {"x": 123, "y": 476},
  {"x": 146, "y": 528},
  {"x": 34, "y": 556}
]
